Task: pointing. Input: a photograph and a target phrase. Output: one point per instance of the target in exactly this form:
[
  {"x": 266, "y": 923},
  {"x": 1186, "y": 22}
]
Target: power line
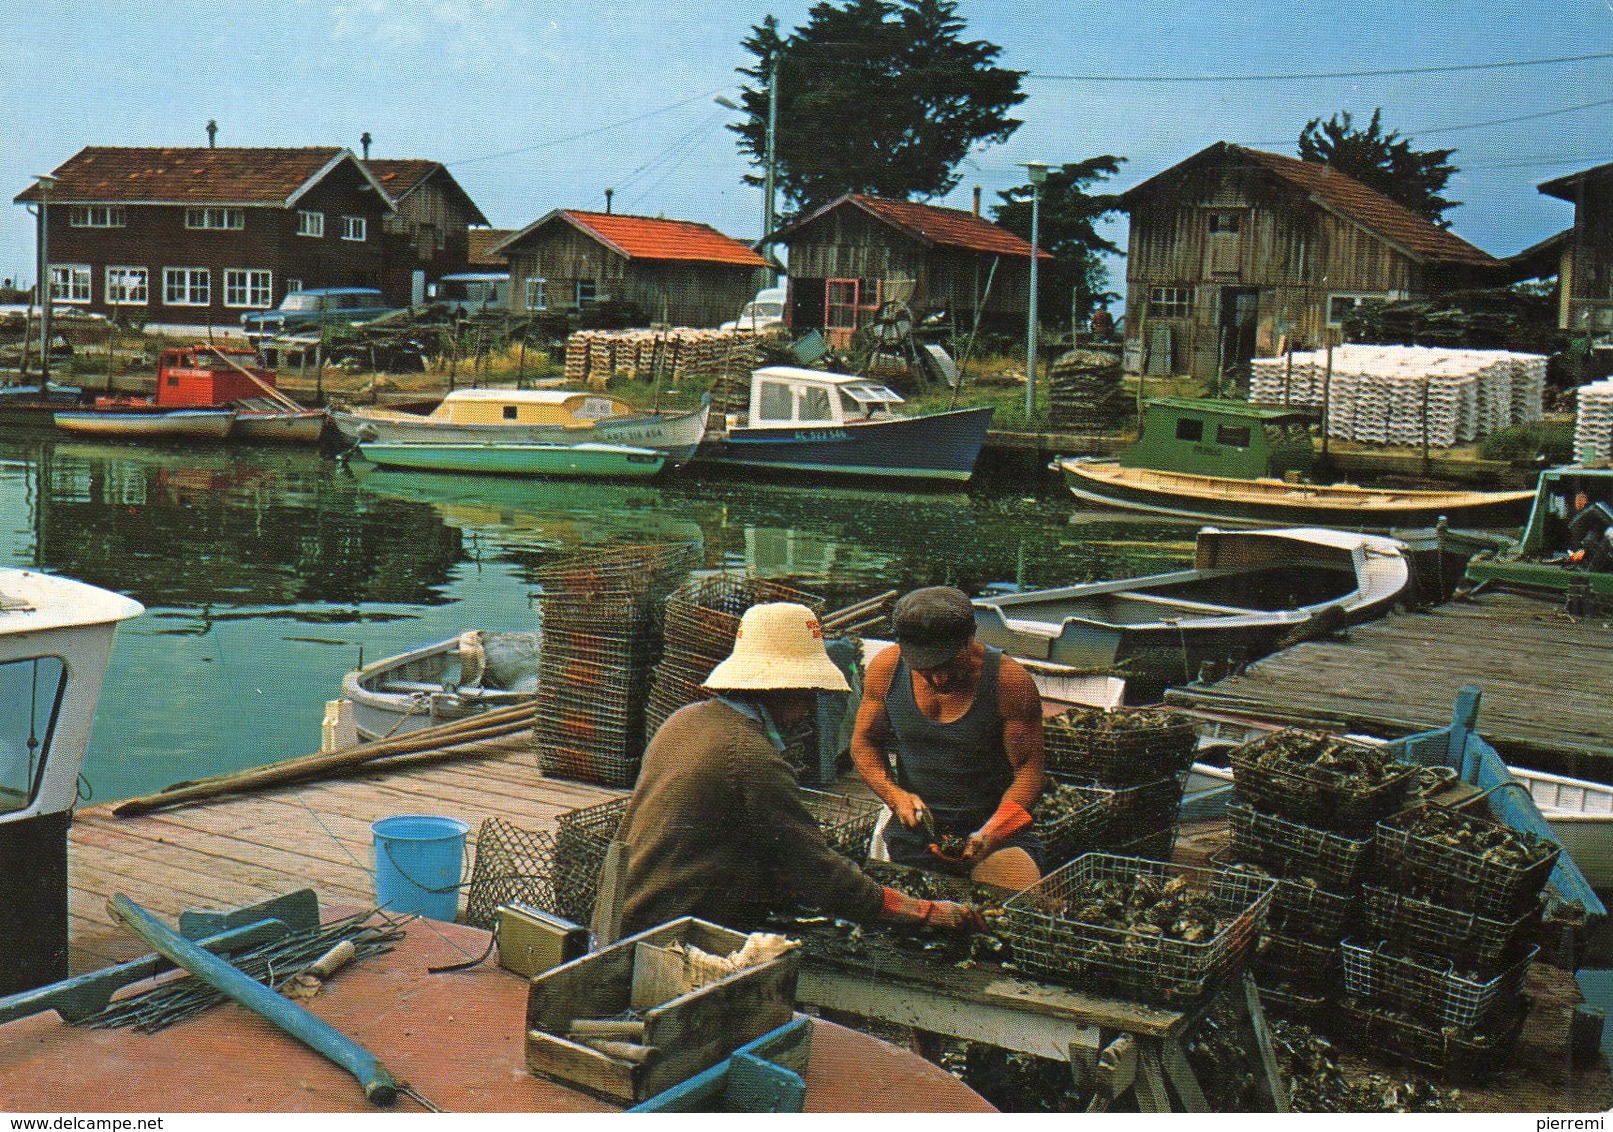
[
  {"x": 584, "y": 133},
  {"x": 1319, "y": 74},
  {"x": 1516, "y": 118}
]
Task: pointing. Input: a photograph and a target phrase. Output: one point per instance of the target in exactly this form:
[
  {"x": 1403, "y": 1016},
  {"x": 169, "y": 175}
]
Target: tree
[
  {"x": 1069, "y": 216},
  {"x": 874, "y": 96},
  {"x": 1385, "y": 162}
]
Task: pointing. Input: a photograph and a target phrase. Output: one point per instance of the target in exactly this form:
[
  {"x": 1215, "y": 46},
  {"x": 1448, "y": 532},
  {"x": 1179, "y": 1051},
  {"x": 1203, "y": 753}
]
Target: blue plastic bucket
[{"x": 417, "y": 865}]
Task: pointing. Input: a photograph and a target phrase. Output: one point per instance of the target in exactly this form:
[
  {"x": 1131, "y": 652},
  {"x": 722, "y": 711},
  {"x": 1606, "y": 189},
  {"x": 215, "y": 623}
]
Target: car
[
  {"x": 308, "y": 310},
  {"x": 472, "y": 291},
  {"x": 762, "y": 314}
]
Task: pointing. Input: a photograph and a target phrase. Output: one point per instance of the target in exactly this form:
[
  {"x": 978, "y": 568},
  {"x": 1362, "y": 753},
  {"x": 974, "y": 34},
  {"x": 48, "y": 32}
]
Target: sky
[{"x": 537, "y": 104}]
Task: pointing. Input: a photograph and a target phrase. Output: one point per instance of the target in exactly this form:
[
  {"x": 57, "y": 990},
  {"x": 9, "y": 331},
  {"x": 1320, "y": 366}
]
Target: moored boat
[
  {"x": 132, "y": 423},
  {"x": 1226, "y": 460},
  {"x": 609, "y": 461},
  {"x": 529, "y": 417},
  {"x": 1247, "y": 591},
  {"x": 1567, "y": 544},
  {"x": 261, "y": 421},
  {"x": 804, "y": 420},
  {"x": 453, "y": 679}
]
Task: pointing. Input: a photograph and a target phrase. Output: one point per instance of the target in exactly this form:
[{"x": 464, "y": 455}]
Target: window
[
  {"x": 187, "y": 286},
  {"x": 232, "y": 219},
  {"x": 1189, "y": 428},
  {"x": 509, "y": 412},
  {"x": 244, "y": 287},
  {"x": 775, "y": 401},
  {"x": 814, "y": 405},
  {"x": 1170, "y": 302},
  {"x": 1233, "y": 436},
  {"x": 587, "y": 291},
  {"x": 30, "y": 698},
  {"x": 354, "y": 227},
  {"x": 95, "y": 216},
  {"x": 536, "y": 300},
  {"x": 293, "y": 284},
  {"x": 70, "y": 282},
  {"x": 126, "y": 285},
  {"x": 1226, "y": 223},
  {"x": 310, "y": 223}
]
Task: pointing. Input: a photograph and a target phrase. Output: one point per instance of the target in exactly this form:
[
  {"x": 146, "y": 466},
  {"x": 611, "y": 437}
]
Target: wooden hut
[
  {"x": 860, "y": 252},
  {"x": 673, "y": 271},
  {"x": 1585, "y": 267},
  {"x": 1235, "y": 253}
]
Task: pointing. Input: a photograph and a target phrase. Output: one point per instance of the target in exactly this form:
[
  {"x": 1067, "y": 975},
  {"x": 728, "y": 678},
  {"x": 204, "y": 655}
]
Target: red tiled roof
[
  {"x": 481, "y": 239},
  {"x": 942, "y": 227},
  {"x": 643, "y": 237},
  {"x": 198, "y": 175}
]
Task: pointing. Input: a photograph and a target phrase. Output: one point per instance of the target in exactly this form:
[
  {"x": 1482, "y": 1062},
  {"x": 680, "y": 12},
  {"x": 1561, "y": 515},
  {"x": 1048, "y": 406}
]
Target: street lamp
[
  {"x": 769, "y": 150},
  {"x": 46, "y": 181},
  {"x": 1038, "y": 174}
]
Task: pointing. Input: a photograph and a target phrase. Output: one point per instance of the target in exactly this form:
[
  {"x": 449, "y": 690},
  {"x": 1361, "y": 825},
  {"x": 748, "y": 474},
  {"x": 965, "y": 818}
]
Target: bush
[{"x": 1553, "y": 440}]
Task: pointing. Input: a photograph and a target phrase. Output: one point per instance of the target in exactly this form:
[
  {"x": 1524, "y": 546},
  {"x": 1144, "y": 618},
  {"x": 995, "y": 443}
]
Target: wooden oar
[
  {"x": 274, "y": 394},
  {"x": 477, "y": 729}
]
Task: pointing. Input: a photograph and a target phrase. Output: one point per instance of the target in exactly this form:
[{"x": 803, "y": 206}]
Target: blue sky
[{"x": 535, "y": 105}]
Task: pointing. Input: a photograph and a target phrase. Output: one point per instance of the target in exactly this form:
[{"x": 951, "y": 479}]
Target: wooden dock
[{"x": 1543, "y": 674}]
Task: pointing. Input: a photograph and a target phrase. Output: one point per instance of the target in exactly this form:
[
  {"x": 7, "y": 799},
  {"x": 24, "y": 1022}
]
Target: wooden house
[
  {"x": 855, "y": 254},
  {"x": 1585, "y": 266},
  {"x": 426, "y": 236},
  {"x": 673, "y": 271},
  {"x": 1236, "y": 252},
  {"x": 196, "y": 236}
]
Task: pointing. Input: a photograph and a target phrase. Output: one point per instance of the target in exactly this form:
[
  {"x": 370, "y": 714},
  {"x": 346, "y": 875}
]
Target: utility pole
[
  {"x": 1038, "y": 175},
  {"x": 46, "y": 182}
]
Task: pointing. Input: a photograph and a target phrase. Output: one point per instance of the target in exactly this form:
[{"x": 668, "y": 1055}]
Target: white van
[
  {"x": 763, "y": 313},
  {"x": 472, "y": 290}
]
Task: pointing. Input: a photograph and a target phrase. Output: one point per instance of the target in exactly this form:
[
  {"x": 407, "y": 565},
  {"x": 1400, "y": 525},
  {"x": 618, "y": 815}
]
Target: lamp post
[
  {"x": 46, "y": 182},
  {"x": 769, "y": 149},
  {"x": 1038, "y": 174}
]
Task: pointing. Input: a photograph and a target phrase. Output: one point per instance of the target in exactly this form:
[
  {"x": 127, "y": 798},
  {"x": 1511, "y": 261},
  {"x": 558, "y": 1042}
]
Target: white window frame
[
  {"x": 127, "y": 286},
  {"x": 187, "y": 278},
  {"x": 310, "y": 223},
  {"x": 293, "y": 285},
  {"x": 535, "y": 290},
  {"x": 355, "y": 228},
  {"x": 592, "y": 296},
  {"x": 69, "y": 282},
  {"x": 95, "y": 216},
  {"x": 216, "y": 219},
  {"x": 248, "y": 288},
  {"x": 1174, "y": 302}
]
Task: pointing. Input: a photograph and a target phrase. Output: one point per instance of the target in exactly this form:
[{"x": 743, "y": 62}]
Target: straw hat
[{"x": 779, "y": 647}]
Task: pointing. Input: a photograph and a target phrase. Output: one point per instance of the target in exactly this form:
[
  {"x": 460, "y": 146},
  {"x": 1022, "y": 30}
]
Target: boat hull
[
  {"x": 189, "y": 424},
  {"x": 1108, "y": 484},
  {"x": 288, "y": 427},
  {"x": 936, "y": 446},
  {"x": 674, "y": 435},
  {"x": 608, "y": 461},
  {"x": 420, "y": 688}
]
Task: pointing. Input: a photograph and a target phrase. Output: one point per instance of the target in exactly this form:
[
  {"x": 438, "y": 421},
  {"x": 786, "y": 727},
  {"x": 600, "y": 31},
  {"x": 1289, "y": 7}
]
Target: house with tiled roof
[
  {"x": 427, "y": 234},
  {"x": 1585, "y": 251},
  {"x": 858, "y": 253},
  {"x": 1235, "y": 253},
  {"x": 674, "y": 271},
  {"x": 196, "y": 236}
]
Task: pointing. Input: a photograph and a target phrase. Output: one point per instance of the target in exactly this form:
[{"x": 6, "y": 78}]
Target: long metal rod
[{"x": 379, "y": 1086}]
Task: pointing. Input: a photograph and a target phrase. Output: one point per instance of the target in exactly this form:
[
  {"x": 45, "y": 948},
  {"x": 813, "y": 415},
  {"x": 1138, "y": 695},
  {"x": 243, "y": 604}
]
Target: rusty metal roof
[
  {"x": 1343, "y": 195},
  {"x": 928, "y": 223},
  {"x": 400, "y": 176},
  {"x": 645, "y": 237},
  {"x": 191, "y": 175}
]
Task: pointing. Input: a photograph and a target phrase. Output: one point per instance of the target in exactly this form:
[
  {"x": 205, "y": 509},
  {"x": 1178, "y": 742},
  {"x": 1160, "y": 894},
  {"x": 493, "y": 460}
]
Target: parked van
[
  {"x": 763, "y": 313},
  {"x": 472, "y": 290}
]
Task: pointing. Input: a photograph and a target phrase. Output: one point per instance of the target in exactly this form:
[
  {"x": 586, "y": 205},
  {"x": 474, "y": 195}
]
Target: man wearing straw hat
[
  {"x": 716, "y": 827},
  {"x": 965, "y": 724}
]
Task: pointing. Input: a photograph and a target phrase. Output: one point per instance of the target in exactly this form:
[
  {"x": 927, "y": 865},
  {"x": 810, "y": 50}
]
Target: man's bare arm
[{"x": 869, "y": 736}]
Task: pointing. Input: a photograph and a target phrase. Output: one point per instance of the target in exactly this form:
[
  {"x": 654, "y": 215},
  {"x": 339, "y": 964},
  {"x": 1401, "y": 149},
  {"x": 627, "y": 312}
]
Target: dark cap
[{"x": 932, "y": 625}]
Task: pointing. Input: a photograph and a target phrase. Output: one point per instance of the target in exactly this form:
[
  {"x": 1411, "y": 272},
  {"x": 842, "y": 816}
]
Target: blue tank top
[{"x": 960, "y": 769}]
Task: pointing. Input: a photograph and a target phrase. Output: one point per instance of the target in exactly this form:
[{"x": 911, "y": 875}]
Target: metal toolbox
[{"x": 531, "y": 941}]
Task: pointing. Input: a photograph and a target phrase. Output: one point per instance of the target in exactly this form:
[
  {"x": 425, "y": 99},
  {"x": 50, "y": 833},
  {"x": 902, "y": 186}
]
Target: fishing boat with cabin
[{"x": 1228, "y": 460}]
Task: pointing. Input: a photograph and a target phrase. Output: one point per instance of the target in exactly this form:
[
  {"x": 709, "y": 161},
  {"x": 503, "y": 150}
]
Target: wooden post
[
  {"x": 27, "y": 336},
  {"x": 1327, "y": 397},
  {"x": 1425, "y": 424},
  {"x": 111, "y": 329},
  {"x": 520, "y": 362},
  {"x": 1288, "y": 375}
]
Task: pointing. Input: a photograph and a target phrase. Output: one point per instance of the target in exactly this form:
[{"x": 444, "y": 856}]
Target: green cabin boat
[
  {"x": 1223, "y": 438},
  {"x": 1567, "y": 544}
]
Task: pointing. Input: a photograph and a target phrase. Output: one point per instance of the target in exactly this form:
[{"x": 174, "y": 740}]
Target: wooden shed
[
  {"x": 1585, "y": 271},
  {"x": 1236, "y": 252},
  {"x": 859, "y": 252},
  {"x": 674, "y": 271},
  {"x": 427, "y": 233}
]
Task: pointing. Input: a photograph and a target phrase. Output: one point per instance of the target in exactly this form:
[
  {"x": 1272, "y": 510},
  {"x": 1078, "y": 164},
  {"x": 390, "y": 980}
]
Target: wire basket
[
  {"x": 847, "y": 823},
  {"x": 512, "y": 866},
  {"x": 1297, "y": 962},
  {"x": 1120, "y": 747},
  {"x": 1094, "y": 817},
  {"x": 1301, "y": 906},
  {"x": 1131, "y": 963},
  {"x": 1458, "y": 878},
  {"x": 581, "y": 839},
  {"x": 1291, "y": 847},
  {"x": 1429, "y": 989},
  {"x": 1157, "y": 846},
  {"x": 603, "y": 768},
  {"x": 657, "y": 568},
  {"x": 1461, "y": 1056},
  {"x": 1292, "y": 1002},
  {"x": 1433, "y": 929},
  {"x": 1271, "y": 773}
]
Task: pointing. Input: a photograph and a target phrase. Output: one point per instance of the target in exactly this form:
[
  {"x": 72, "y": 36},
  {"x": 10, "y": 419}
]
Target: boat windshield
[
  {"x": 865, "y": 399},
  {"x": 30, "y": 689}
]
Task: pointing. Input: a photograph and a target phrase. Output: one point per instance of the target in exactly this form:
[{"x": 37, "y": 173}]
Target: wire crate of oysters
[
  {"x": 1462, "y": 1055},
  {"x": 1465, "y": 862},
  {"x": 1430, "y": 989},
  {"x": 1432, "y": 929},
  {"x": 1300, "y": 907},
  {"x": 1298, "y": 963},
  {"x": 1076, "y": 815},
  {"x": 1320, "y": 779},
  {"x": 1118, "y": 747},
  {"x": 1142, "y": 930},
  {"x": 1335, "y": 861}
]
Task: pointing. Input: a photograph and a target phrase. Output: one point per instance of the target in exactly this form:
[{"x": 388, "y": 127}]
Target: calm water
[{"x": 266, "y": 573}]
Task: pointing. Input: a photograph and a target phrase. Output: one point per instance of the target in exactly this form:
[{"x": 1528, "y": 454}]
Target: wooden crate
[{"x": 689, "y": 1032}]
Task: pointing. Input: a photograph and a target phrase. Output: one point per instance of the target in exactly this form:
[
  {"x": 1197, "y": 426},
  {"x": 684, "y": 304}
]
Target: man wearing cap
[
  {"x": 716, "y": 827},
  {"x": 965, "y": 725}
]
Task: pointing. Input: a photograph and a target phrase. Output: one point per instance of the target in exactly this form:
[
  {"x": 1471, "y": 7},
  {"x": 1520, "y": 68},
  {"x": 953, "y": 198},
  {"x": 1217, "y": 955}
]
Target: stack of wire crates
[
  {"x": 582, "y": 837},
  {"x": 1115, "y": 781},
  {"x": 1311, "y": 830},
  {"x": 601, "y": 635},
  {"x": 1435, "y": 974}
]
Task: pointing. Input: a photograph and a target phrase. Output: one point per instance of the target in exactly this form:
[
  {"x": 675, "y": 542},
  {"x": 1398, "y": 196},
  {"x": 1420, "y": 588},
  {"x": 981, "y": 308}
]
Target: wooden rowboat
[
  {"x": 580, "y": 460},
  {"x": 155, "y": 424}
]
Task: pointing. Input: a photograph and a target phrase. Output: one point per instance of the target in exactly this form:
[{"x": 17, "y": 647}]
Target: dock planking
[
  {"x": 234, "y": 851},
  {"x": 1541, "y": 673}
]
